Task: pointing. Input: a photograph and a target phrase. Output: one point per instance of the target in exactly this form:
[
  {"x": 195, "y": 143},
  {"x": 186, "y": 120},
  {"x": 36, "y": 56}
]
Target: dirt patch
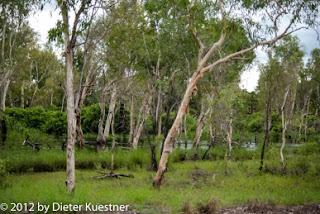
[{"x": 272, "y": 209}]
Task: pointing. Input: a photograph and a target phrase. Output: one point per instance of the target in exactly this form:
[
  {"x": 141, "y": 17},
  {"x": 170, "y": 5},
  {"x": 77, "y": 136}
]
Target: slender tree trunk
[
  {"x": 144, "y": 111},
  {"x": 113, "y": 135},
  {"x": 51, "y": 98},
  {"x": 33, "y": 95},
  {"x": 22, "y": 95},
  {"x": 167, "y": 147},
  {"x": 4, "y": 95},
  {"x": 71, "y": 122},
  {"x": 306, "y": 120},
  {"x": 284, "y": 123},
  {"x": 159, "y": 126},
  {"x": 82, "y": 94},
  {"x": 304, "y": 114},
  {"x": 157, "y": 114},
  {"x": 71, "y": 136},
  {"x": 79, "y": 132},
  {"x": 212, "y": 142},
  {"x": 62, "y": 101},
  {"x": 111, "y": 113},
  {"x": 286, "y": 119},
  {"x": 200, "y": 126},
  {"x": 318, "y": 101},
  {"x": 102, "y": 105},
  {"x": 131, "y": 121},
  {"x": 229, "y": 138},
  {"x": 267, "y": 128}
]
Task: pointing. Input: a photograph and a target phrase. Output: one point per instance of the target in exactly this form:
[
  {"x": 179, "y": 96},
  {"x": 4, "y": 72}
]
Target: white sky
[{"x": 43, "y": 21}]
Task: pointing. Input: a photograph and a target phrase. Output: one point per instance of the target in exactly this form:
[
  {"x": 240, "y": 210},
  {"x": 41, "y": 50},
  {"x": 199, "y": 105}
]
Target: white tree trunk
[
  {"x": 4, "y": 95},
  {"x": 131, "y": 121},
  {"x": 102, "y": 106},
  {"x": 229, "y": 137},
  {"x": 71, "y": 123},
  {"x": 284, "y": 123},
  {"x": 144, "y": 111},
  {"x": 200, "y": 125},
  {"x": 22, "y": 95},
  {"x": 167, "y": 147},
  {"x": 110, "y": 116}
]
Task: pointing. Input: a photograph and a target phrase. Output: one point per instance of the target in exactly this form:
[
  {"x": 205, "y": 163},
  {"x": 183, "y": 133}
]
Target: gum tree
[{"x": 211, "y": 54}]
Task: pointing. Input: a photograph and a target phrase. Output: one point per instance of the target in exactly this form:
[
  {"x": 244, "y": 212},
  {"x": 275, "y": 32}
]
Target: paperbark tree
[
  {"x": 70, "y": 32},
  {"x": 102, "y": 105},
  {"x": 131, "y": 132},
  {"x": 204, "y": 112},
  {"x": 143, "y": 114},
  {"x": 110, "y": 116},
  {"x": 205, "y": 65}
]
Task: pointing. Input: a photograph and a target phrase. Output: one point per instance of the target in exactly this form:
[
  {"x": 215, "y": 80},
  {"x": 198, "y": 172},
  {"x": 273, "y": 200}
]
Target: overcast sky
[{"x": 43, "y": 21}]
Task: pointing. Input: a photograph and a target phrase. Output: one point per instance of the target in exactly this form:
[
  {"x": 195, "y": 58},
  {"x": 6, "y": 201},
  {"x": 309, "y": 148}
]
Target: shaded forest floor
[{"x": 188, "y": 183}]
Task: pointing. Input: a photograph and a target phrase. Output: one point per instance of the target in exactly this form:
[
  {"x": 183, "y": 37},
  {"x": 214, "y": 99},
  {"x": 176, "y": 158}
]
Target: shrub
[
  {"x": 90, "y": 118},
  {"x": 56, "y": 123}
]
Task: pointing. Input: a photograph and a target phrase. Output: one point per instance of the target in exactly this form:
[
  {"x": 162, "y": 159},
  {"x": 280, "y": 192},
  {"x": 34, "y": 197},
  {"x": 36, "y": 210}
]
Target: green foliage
[
  {"x": 90, "y": 118},
  {"x": 55, "y": 123},
  {"x": 51, "y": 122},
  {"x": 192, "y": 182},
  {"x": 3, "y": 171}
]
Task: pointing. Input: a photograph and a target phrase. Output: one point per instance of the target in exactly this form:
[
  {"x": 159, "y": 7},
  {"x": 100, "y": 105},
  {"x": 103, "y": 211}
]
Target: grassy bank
[{"x": 194, "y": 182}]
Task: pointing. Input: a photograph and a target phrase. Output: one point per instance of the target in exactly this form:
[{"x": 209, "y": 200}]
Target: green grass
[
  {"x": 27, "y": 176},
  {"x": 243, "y": 184}
]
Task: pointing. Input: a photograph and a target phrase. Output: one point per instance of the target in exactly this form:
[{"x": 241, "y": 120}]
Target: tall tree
[
  {"x": 210, "y": 58},
  {"x": 70, "y": 33}
]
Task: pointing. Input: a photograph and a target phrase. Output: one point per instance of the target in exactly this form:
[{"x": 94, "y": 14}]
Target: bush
[
  {"x": 90, "y": 118},
  {"x": 56, "y": 123},
  {"x": 51, "y": 122}
]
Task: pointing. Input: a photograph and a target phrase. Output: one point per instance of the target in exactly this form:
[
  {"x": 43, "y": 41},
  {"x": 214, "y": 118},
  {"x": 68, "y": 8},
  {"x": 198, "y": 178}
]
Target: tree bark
[
  {"x": 79, "y": 132},
  {"x": 200, "y": 126},
  {"x": 102, "y": 105},
  {"x": 144, "y": 111},
  {"x": 22, "y": 95},
  {"x": 284, "y": 123},
  {"x": 71, "y": 122},
  {"x": 131, "y": 121},
  {"x": 110, "y": 116},
  {"x": 229, "y": 137},
  {"x": 267, "y": 128},
  {"x": 4, "y": 94},
  {"x": 167, "y": 147}
]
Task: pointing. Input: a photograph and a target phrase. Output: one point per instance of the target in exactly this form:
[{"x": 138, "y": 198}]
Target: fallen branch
[{"x": 112, "y": 175}]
